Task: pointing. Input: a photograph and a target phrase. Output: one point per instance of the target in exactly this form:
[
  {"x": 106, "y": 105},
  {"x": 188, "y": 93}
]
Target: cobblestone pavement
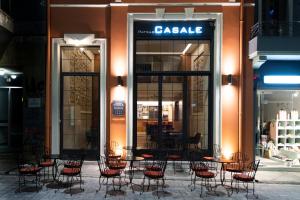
[{"x": 174, "y": 189}]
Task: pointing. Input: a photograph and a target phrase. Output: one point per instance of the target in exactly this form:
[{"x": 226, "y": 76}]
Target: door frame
[
  {"x": 216, "y": 76},
  {"x": 57, "y": 43}
]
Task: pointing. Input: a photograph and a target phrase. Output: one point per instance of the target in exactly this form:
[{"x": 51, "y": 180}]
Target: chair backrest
[
  {"x": 101, "y": 160},
  {"x": 212, "y": 166},
  {"x": 251, "y": 169},
  {"x": 240, "y": 158},
  {"x": 217, "y": 150},
  {"x": 162, "y": 164}
]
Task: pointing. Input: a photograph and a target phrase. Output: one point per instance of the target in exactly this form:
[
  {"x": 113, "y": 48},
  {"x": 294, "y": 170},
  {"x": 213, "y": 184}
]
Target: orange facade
[{"x": 110, "y": 21}]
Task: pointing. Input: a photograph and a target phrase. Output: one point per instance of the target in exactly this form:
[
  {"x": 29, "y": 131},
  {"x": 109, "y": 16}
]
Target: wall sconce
[
  {"x": 228, "y": 79},
  {"x": 120, "y": 81}
]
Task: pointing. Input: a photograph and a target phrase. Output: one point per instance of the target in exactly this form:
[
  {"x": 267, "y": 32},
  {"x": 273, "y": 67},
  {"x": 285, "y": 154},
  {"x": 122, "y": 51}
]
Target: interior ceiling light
[
  {"x": 13, "y": 76},
  {"x": 187, "y": 48},
  {"x": 282, "y": 79}
]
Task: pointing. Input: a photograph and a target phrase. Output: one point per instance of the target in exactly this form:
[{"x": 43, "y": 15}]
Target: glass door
[
  {"x": 172, "y": 102},
  {"x": 80, "y": 104}
]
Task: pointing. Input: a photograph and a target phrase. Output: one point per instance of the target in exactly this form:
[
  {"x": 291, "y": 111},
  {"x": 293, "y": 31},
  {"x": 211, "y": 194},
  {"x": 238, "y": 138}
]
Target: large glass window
[{"x": 172, "y": 90}]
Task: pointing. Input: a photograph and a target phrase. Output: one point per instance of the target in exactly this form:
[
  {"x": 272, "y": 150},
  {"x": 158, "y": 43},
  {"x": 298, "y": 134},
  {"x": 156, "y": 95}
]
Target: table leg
[{"x": 222, "y": 174}]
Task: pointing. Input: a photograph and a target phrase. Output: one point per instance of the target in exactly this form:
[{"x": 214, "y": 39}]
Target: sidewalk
[
  {"x": 270, "y": 185},
  {"x": 174, "y": 189}
]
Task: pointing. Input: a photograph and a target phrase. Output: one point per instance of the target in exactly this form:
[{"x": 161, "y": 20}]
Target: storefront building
[
  {"x": 274, "y": 52},
  {"x": 149, "y": 75}
]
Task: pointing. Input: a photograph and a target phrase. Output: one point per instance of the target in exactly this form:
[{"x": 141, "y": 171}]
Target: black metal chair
[
  {"x": 157, "y": 174},
  {"x": 72, "y": 168},
  {"x": 240, "y": 159},
  {"x": 28, "y": 169},
  {"x": 195, "y": 166},
  {"x": 46, "y": 162},
  {"x": 246, "y": 177},
  {"x": 206, "y": 175},
  {"x": 195, "y": 140},
  {"x": 107, "y": 173}
]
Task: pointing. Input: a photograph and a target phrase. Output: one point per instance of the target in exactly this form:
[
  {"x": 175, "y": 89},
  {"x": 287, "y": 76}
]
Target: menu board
[{"x": 118, "y": 108}]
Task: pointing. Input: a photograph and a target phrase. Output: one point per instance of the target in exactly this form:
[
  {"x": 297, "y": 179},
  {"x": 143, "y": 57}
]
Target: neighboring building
[
  {"x": 149, "y": 75},
  {"x": 275, "y": 55},
  {"x": 23, "y": 40}
]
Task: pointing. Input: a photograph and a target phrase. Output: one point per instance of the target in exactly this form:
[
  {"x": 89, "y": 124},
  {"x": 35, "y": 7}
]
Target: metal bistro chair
[
  {"x": 195, "y": 166},
  {"x": 207, "y": 175},
  {"x": 46, "y": 163},
  {"x": 240, "y": 159},
  {"x": 106, "y": 173},
  {"x": 71, "y": 169},
  {"x": 28, "y": 169},
  {"x": 155, "y": 175},
  {"x": 195, "y": 140},
  {"x": 247, "y": 176}
]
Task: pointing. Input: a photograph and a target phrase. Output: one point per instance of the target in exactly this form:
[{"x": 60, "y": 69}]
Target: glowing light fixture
[
  {"x": 119, "y": 81},
  {"x": 227, "y": 154},
  {"x": 13, "y": 76},
  {"x": 79, "y": 39},
  {"x": 229, "y": 79},
  {"x": 2, "y": 72},
  {"x": 187, "y": 48},
  {"x": 282, "y": 79}
]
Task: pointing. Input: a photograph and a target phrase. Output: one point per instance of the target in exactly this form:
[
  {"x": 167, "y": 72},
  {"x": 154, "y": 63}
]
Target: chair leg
[
  {"x": 19, "y": 183},
  {"x": 106, "y": 188},
  {"x": 148, "y": 184},
  {"x": 143, "y": 190},
  {"x": 201, "y": 187},
  {"x": 157, "y": 183}
]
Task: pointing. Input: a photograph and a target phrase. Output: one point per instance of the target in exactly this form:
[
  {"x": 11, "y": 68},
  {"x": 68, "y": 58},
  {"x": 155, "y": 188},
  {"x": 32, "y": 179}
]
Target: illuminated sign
[
  {"x": 282, "y": 79},
  {"x": 174, "y": 29},
  {"x": 177, "y": 30}
]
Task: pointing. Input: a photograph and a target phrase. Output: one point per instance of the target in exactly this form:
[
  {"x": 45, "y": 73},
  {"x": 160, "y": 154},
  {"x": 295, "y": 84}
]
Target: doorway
[
  {"x": 80, "y": 101},
  {"x": 278, "y": 127},
  {"x": 172, "y": 95},
  {"x": 11, "y": 117}
]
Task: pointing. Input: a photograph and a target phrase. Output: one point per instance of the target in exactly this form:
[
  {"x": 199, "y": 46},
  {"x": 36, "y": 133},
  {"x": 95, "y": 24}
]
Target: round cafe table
[{"x": 132, "y": 159}]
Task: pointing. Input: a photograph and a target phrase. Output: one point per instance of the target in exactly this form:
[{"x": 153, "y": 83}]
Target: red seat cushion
[
  {"x": 153, "y": 168},
  {"x": 205, "y": 174},
  {"x": 243, "y": 177},
  {"x": 29, "y": 170},
  {"x": 110, "y": 173},
  {"x": 71, "y": 164},
  {"x": 47, "y": 163},
  {"x": 235, "y": 169},
  {"x": 70, "y": 171},
  {"x": 117, "y": 165},
  {"x": 208, "y": 158},
  {"x": 154, "y": 174},
  {"x": 147, "y": 156},
  {"x": 174, "y": 157},
  {"x": 199, "y": 168}
]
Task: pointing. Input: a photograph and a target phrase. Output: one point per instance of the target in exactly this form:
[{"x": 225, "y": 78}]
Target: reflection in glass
[
  {"x": 172, "y": 55},
  {"x": 80, "y": 98}
]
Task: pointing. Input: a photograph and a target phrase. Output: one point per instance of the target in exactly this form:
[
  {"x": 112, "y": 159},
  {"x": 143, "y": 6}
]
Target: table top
[
  {"x": 219, "y": 160},
  {"x": 133, "y": 158}
]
